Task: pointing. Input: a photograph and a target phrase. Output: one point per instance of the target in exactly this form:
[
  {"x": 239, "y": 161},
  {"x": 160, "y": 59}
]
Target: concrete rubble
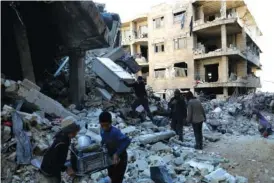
[{"x": 153, "y": 145}]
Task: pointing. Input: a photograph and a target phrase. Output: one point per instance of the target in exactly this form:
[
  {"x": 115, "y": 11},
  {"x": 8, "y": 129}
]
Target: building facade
[
  {"x": 207, "y": 46},
  {"x": 135, "y": 41}
]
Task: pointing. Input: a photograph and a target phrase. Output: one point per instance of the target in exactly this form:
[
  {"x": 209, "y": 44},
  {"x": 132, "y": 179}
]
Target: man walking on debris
[
  {"x": 141, "y": 94},
  {"x": 116, "y": 144},
  {"x": 54, "y": 160},
  {"x": 196, "y": 116},
  {"x": 178, "y": 113}
]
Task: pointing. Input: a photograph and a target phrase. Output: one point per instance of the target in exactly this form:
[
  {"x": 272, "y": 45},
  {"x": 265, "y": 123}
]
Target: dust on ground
[{"x": 250, "y": 156}]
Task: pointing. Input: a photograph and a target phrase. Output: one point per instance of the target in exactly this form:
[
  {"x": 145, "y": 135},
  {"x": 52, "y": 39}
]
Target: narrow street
[{"x": 250, "y": 156}]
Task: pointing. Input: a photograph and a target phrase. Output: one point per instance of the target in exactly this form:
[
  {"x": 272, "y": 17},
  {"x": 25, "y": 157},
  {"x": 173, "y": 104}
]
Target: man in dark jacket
[
  {"x": 178, "y": 113},
  {"x": 54, "y": 160},
  {"x": 141, "y": 94},
  {"x": 116, "y": 144}
]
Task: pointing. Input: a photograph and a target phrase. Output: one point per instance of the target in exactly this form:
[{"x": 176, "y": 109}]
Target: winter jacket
[
  {"x": 195, "y": 111},
  {"x": 139, "y": 88},
  {"x": 54, "y": 160},
  {"x": 178, "y": 108}
]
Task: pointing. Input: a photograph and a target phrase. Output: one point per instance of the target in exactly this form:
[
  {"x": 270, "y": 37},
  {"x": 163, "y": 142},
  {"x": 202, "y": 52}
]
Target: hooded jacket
[{"x": 54, "y": 159}]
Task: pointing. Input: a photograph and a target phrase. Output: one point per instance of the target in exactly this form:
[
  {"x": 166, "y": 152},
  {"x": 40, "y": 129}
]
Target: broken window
[
  {"x": 127, "y": 34},
  {"x": 159, "y": 47},
  {"x": 180, "y": 43},
  {"x": 211, "y": 73},
  {"x": 143, "y": 31},
  {"x": 158, "y": 22},
  {"x": 178, "y": 17},
  {"x": 180, "y": 69},
  {"x": 159, "y": 73}
]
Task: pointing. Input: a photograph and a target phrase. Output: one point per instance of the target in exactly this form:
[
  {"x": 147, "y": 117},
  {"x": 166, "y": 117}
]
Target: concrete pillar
[
  {"x": 225, "y": 92},
  {"x": 243, "y": 46},
  {"x": 201, "y": 13},
  {"x": 24, "y": 50},
  {"x": 132, "y": 50},
  {"x": 223, "y": 37},
  {"x": 77, "y": 77},
  {"x": 223, "y": 69},
  {"x": 223, "y": 9}
]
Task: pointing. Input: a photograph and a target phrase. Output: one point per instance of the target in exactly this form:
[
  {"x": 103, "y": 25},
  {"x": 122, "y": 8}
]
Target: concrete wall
[
  {"x": 200, "y": 66},
  {"x": 167, "y": 34},
  {"x": 241, "y": 68}
]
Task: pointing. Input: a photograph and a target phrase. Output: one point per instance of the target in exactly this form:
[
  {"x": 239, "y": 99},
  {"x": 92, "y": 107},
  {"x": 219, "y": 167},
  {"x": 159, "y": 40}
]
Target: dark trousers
[
  {"x": 197, "y": 128},
  {"x": 177, "y": 126},
  {"x": 144, "y": 102},
  {"x": 116, "y": 172}
]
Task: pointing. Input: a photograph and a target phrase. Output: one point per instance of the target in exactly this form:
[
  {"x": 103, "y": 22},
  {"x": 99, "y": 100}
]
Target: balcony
[
  {"x": 142, "y": 61},
  {"x": 251, "y": 56},
  {"x": 231, "y": 51},
  {"x": 231, "y": 19},
  {"x": 140, "y": 37},
  {"x": 126, "y": 41},
  {"x": 248, "y": 81}
]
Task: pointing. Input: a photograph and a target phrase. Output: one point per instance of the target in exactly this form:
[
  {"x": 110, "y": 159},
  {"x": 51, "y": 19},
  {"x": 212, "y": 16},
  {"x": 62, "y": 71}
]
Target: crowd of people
[{"x": 183, "y": 110}]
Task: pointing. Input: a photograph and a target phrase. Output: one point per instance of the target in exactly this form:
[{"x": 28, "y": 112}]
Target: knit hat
[{"x": 69, "y": 125}]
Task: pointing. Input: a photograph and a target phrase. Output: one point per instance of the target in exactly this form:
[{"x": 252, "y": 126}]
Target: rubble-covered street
[
  {"x": 89, "y": 72},
  {"x": 233, "y": 145}
]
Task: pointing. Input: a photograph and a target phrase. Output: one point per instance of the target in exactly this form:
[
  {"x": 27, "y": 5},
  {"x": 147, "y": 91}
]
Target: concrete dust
[{"x": 250, "y": 156}]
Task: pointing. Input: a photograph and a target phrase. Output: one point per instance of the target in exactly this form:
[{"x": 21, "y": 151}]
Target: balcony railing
[
  {"x": 247, "y": 81},
  {"x": 253, "y": 57},
  {"x": 217, "y": 20}
]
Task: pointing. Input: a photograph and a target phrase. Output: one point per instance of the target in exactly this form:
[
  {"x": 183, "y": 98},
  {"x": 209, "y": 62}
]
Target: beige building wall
[
  {"x": 171, "y": 31},
  {"x": 167, "y": 34}
]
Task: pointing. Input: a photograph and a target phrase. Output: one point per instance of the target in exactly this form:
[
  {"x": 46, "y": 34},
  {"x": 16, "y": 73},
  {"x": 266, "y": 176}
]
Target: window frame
[
  {"x": 183, "y": 13},
  {"x": 176, "y": 44},
  {"x": 161, "y": 23}
]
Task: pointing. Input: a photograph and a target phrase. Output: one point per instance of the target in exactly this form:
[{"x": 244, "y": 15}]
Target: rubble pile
[
  {"x": 235, "y": 116},
  {"x": 155, "y": 151}
]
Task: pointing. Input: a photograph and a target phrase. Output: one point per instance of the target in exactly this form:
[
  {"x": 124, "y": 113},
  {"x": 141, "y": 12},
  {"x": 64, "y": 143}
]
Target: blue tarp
[
  {"x": 23, "y": 145},
  {"x": 182, "y": 21}
]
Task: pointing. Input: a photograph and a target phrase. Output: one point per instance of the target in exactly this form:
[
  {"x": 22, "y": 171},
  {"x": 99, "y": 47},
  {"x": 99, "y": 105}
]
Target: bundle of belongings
[{"x": 264, "y": 127}]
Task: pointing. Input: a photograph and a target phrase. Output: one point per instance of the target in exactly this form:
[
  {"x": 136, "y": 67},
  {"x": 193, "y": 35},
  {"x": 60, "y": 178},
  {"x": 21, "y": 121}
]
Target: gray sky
[{"x": 262, "y": 11}]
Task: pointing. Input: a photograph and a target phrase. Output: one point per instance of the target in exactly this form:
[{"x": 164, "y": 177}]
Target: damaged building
[
  {"x": 207, "y": 46},
  {"x": 135, "y": 41},
  {"x": 37, "y": 35}
]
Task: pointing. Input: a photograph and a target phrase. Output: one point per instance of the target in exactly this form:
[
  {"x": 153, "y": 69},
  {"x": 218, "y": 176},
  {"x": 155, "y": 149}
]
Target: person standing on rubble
[
  {"x": 116, "y": 143},
  {"x": 141, "y": 94},
  {"x": 264, "y": 126},
  {"x": 196, "y": 116},
  {"x": 55, "y": 157},
  {"x": 178, "y": 113}
]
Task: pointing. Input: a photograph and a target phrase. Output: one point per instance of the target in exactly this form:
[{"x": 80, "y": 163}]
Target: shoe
[{"x": 198, "y": 147}]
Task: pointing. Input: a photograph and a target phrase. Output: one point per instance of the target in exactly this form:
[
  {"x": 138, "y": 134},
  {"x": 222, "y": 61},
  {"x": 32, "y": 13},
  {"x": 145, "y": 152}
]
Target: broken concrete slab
[
  {"x": 105, "y": 94},
  {"x": 141, "y": 164},
  {"x": 115, "y": 53},
  {"x": 129, "y": 130},
  {"x": 211, "y": 137},
  {"x": 112, "y": 74},
  {"x": 200, "y": 165},
  {"x": 29, "y": 92},
  {"x": 156, "y": 137},
  {"x": 159, "y": 146}
]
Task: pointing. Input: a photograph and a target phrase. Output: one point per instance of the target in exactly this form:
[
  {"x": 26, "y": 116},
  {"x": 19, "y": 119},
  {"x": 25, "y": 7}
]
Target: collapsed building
[
  {"x": 208, "y": 46},
  {"x": 154, "y": 148},
  {"x": 33, "y": 49}
]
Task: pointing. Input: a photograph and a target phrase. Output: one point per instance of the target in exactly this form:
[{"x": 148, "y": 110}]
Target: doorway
[
  {"x": 144, "y": 51},
  {"x": 211, "y": 73}
]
